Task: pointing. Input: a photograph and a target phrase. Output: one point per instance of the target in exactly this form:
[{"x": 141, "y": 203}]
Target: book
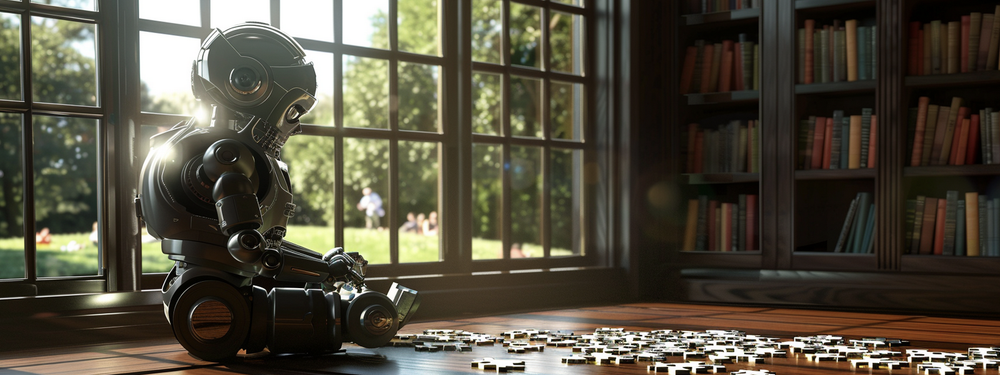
[
  {"x": 939, "y": 130},
  {"x": 845, "y": 142},
  {"x": 713, "y": 225},
  {"x": 911, "y": 209},
  {"x": 869, "y": 237},
  {"x": 936, "y": 47},
  {"x": 687, "y": 72},
  {"x": 751, "y": 232},
  {"x": 991, "y": 58},
  {"x": 949, "y": 131},
  {"x": 927, "y": 230},
  {"x": 756, "y": 67},
  {"x": 835, "y": 123},
  {"x": 824, "y": 55},
  {"x": 872, "y": 141},
  {"x": 872, "y": 55},
  {"x": 911, "y": 129},
  {"x": 726, "y": 71},
  {"x": 800, "y": 40},
  {"x": 866, "y": 123},
  {"x": 995, "y": 138},
  {"x": 983, "y": 225},
  {"x": 848, "y": 224},
  {"x": 727, "y": 227},
  {"x": 960, "y": 230},
  {"x": 939, "y": 225},
  {"x": 951, "y": 64},
  {"x": 970, "y": 150},
  {"x": 746, "y": 64},
  {"x": 926, "y": 35},
  {"x": 985, "y": 40},
  {"x": 920, "y": 52},
  {"x": 734, "y": 223},
  {"x": 918, "y": 139},
  {"x": 985, "y": 129},
  {"x": 864, "y": 201},
  {"x": 963, "y": 53},
  {"x": 691, "y": 226},
  {"x": 918, "y": 220},
  {"x": 962, "y": 143},
  {"x": 827, "y": 143},
  {"x": 706, "y": 69},
  {"x": 701, "y": 232},
  {"x": 819, "y": 130},
  {"x": 913, "y": 52},
  {"x": 737, "y": 84},
  {"x": 929, "y": 130},
  {"x": 854, "y": 154},
  {"x": 713, "y": 77},
  {"x": 863, "y": 64},
  {"x": 851, "y": 34},
  {"x": 810, "y": 44},
  {"x": 951, "y": 211},
  {"x": 975, "y": 23},
  {"x": 991, "y": 223},
  {"x": 741, "y": 232}
]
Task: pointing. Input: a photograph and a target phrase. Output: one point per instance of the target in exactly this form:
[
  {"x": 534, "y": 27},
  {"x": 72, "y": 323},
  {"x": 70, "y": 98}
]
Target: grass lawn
[{"x": 55, "y": 260}]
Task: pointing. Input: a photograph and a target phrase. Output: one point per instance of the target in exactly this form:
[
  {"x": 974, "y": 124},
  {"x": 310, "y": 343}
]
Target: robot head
[{"x": 258, "y": 76}]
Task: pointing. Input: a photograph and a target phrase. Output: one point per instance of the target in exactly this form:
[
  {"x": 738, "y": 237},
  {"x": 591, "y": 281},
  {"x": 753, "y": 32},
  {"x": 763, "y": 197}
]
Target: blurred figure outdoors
[
  {"x": 430, "y": 226},
  {"x": 410, "y": 225},
  {"x": 371, "y": 203}
]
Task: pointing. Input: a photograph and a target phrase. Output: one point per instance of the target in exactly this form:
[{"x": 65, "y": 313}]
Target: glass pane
[
  {"x": 526, "y": 196},
  {"x": 11, "y": 198},
  {"x": 322, "y": 112},
  {"x": 366, "y": 198},
  {"x": 486, "y": 100},
  {"x": 486, "y": 31},
  {"x": 418, "y": 26},
  {"x": 65, "y": 161},
  {"x": 10, "y": 56},
  {"x": 525, "y": 35},
  {"x": 578, "y": 3},
  {"x": 311, "y": 168},
  {"x": 366, "y": 92},
  {"x": 567, "y": 110},
  {"x": 228, "y": 13},
  {"x": 566, "y": 208},
  {"x": 566, "y": 39},
  {"x": 525, "y": 107},
  {"x": 153, "y": 260},
  {"x": 487, "y": 204},
  {"x": 418, "y": 202},
  {"x": 418, "y": 97},
  {"x": 186, "y": 12},
  {"x": 165, "y": 71},
  {"x": 63, "y": 63},
  {"x": 366, "y": 23},
  {"x": 75, "y": 4},
  {"x": 310, "y": 19}
]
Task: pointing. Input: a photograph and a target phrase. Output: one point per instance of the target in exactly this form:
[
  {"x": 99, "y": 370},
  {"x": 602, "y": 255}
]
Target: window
[{"x": 53, "y": 112}]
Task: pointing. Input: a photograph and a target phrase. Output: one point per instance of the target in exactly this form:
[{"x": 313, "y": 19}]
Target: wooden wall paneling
[{"x": 891, "y": 111}]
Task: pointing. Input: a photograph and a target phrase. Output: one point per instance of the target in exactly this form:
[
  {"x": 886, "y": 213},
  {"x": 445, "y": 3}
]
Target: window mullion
[{"x": 27, "y": 149}]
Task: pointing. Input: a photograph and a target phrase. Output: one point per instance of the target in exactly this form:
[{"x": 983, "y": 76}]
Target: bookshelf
[{"x": 803, "y": 209}]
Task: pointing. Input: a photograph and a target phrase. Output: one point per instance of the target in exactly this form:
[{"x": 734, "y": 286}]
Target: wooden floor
[{"x": 165, "y": 356}]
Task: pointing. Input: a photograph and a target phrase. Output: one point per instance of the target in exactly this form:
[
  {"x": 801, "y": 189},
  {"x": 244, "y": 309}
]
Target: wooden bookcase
[{"x": 802, "y": 211}]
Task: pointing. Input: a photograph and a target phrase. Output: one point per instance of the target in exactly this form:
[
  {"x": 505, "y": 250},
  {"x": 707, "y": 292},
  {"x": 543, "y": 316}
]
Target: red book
[
  {"x": 687, "y": 72},
  {"x": 692, "y": 155},
  {"x": 970, "y": 150},
  {"x": 727, "y": 227},
  {"x": 828, "y": 142},
  {"x": 810, "y": 26},
  {"x": 927, "y": 227},
  {"x": 963, "y": 142},
  {"x": 706, "y": 69},
  {"x": 918, "y": 138},
  {"x": 713, "y": 237},
  {"x": 920, "y": 55},
  {"x": 817, "y": 149},
  {"x": 738, "y": 67},
  {"x": 914, "y": 52},
  {"x": 726, "y": 69},
  {"x": 939, "y": 226},
  {"x": 953, "y": 152},
  {"x": 751, "y": 234},
  {"x": 871, "y": 142},
  {"x": 964, "y": 53}
]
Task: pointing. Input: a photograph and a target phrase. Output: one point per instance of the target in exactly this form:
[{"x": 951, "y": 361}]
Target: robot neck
[{"x": 254, "y": 128}]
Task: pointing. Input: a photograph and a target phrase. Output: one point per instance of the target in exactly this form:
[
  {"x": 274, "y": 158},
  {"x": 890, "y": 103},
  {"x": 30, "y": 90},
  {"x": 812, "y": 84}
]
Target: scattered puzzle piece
[
  {"x": 879, "y": 363},
  {"x": 685, "y": 368},
  {"x": 752, "y": 372},
  {"x": 500, "y": 365}
]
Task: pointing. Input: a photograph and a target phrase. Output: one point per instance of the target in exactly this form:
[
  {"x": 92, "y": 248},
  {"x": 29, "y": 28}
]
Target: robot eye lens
[{"x": 244, "y": 80}]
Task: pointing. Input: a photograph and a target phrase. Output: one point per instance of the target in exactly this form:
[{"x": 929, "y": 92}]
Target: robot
[{"x": 219, "y": 198}]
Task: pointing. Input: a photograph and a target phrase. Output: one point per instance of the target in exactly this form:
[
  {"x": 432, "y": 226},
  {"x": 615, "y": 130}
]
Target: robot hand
[{"x": 346, "y": 268}]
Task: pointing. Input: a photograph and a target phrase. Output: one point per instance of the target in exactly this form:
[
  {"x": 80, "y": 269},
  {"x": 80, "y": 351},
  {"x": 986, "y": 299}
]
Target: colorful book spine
[
  {"x": 939, "y": 226},
  {"x": 927, "y": 230},
  {"x": 862, "y": 45},
  {"x": 854, "y": 155},
  {"x": 918, "y": 221},
  {"x": 851, "y": 34},
  {"x": 929, "y": 131},
  {"x": 841, "y": 245},
  {"x": 866, "y": 123},
  {"x": 951, "y": 211},
  {"x": 911, "y": 208},
  {"x": 835, "y": 123},
  {"x": 970, "y": 150},
  {"x": 985, "y": 40},
  {"x": 960, "y": 248},
  {"x": 949, "y": 132}
]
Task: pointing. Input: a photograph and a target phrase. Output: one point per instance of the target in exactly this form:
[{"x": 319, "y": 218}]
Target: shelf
[
  {"x": 952, "y": 170},
  {"x": 812, "y": 4},
  {"x": 721, "y": 178},
  {"x": 724, "y": 259},
  {"x": 835, "y": 87},
  {"x": 744, "y": 96},
  {"x": 950, "y": 264},
  {"x": 989, "y": 77},
  {"x": 834, "y": 261},
  {"x": 834, "y": 174},
  {"x": 716, "y": 17}
]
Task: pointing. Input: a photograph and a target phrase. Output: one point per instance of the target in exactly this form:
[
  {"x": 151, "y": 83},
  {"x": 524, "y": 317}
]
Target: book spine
[
  {"x": 734, "y": 223},
  {"x": 951, "y": 210},
  {"x": 836, "y": 121},
  {"x": 963, "y": 141},
  {"x": 983, "y": 223},
  {"x": 712, "y": 224},
  {"x": 913, "y": 63},
  {"x": 701, "y": 231},
  {"x": 810, "y": 42},
  {"x": 851, "y": 34},
  {"x": 691, "y": 228},
  {"x": 985, "y": 40},
  {"x": 819, "y": 130},
  {"x": 741, "y": 154},
  {"x": 866, "y": 123},
  {"x": 939, "y": 224},
  {"x": 864, "y": 201},
  {"x": 995, "y": 138},
  {"x": 939, "y": 130},
  {"x": 960, "y": 229},
  {"x": 824, "y": 57},
  {"x": 872, "y": 142},
  {"x": 699, "y": 152},
  {"x": 991, "y": 58},
  {"x": 970, "y": 150},
  {"x": 687, "y": 73},
  {"x": 692, "y": 137},
  {"x": 720, "y": 230},
  {"x": 872, "y": 56},
  {"x": 954, "y": 31},
  {"x": 963, "y": 53},
  {"x": 713, "y": 78},
  {"x": 926, "y": 35},
  {"x": 741, "y": 239},
  {"x": 846, "y": 229},
  {"x": 756, "y": 67},
  {"x": 929, "y": 131},
  {"x": 751, "y": 232},
  {"x": 840, "y": 65},
  {"x": 918, "y": 137},
  {"x": 804, "y": 140},
  {"x": 991, "y": 224},
  {"x": 949, "y": 132},
  {"x": 862, "y": 46},
  {"x": 918, "y": 221},
  {"x": 706, "y": 68},
  {"x": 726, "y": 71},
  {"x": 727, "y": 227},
  {"x": 869, "y": 241},
  {"x": 928, "y": 227},
  {"x": 827, "y": 143},
  {"x": 746, "y": 67},
  {"x": 911, "y": 129},
  {"x": 699, "y": 64},
  {"x": 984, "y": 129},
  {"x": 975, "y": 24},
  {"x": 845, "y": 142},
  {"x": 737, "y": 84},
  {"x": 854, "y": 155},
  {"x": 936, "y": 47},
  {"x": 911, "y": 209}
]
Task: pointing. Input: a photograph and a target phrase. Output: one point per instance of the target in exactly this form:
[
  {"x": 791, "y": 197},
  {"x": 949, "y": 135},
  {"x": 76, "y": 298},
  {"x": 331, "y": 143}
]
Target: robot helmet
[{"x": 260, "y": 74}]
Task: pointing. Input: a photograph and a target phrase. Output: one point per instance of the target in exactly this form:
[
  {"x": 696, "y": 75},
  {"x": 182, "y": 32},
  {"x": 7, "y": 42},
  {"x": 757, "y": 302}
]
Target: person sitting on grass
[{"x": 410, "y": 225}]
